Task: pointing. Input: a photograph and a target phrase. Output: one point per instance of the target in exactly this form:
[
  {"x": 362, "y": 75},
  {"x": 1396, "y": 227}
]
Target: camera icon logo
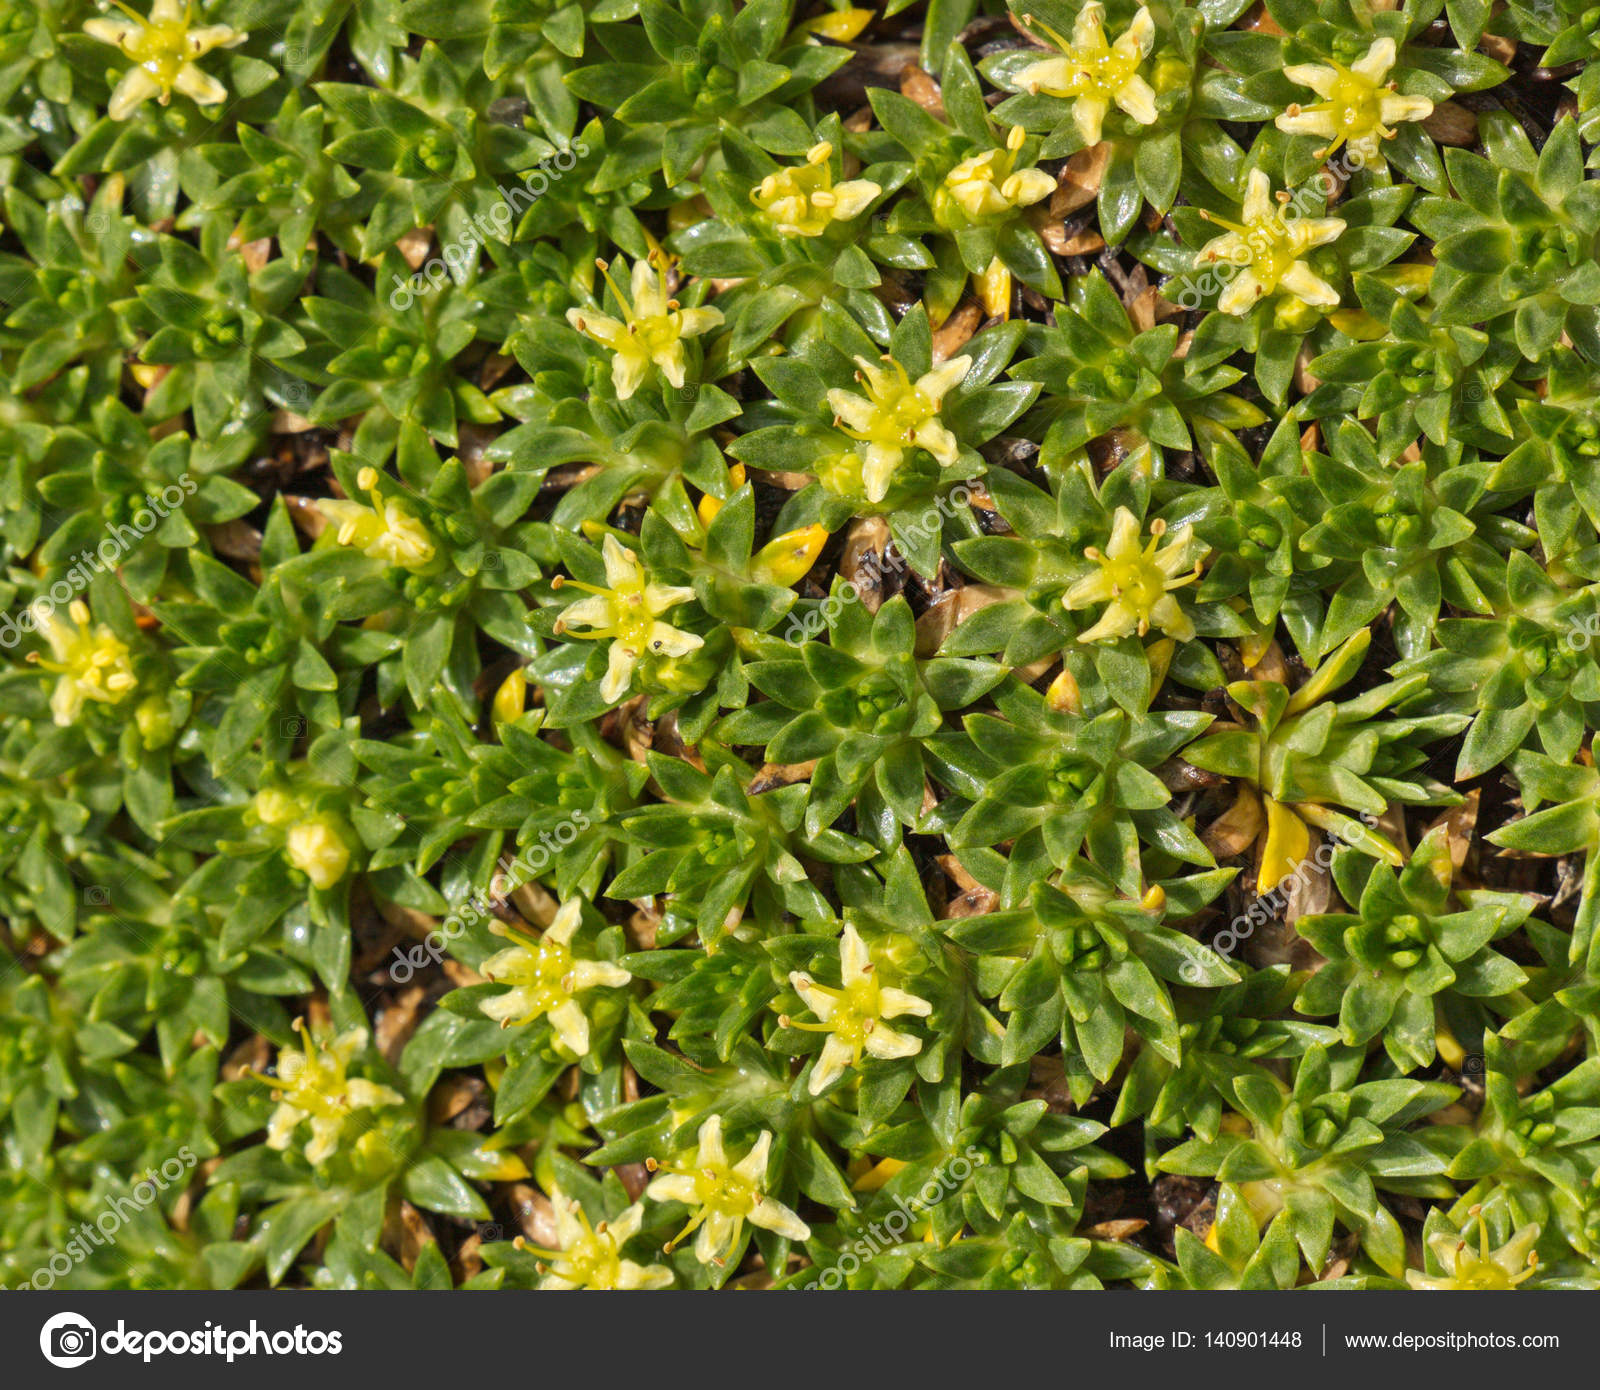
[{"x": 67, "y": 1340}]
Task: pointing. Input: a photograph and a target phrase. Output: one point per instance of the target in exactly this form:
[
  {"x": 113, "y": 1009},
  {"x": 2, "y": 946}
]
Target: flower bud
[{"x": 511, "y": 698}]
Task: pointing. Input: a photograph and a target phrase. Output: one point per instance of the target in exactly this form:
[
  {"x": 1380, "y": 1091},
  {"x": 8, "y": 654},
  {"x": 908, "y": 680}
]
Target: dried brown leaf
[
  {"x": 1237, "y": 828},
  {"x": 473, "y": 451},
  {"x": 774, "y": 775},
  {"x": 1498, "y": 47},
  {"x": 1460, "y": 823},
  {"x": 1082, "y": 241},
  {"x": 468, "y": 1261},
  {"x": 950, "y": 609},
  {"x": 397, "y": 1023},
  {"x": 305, "y": 515},
  {"x": 252, "y": 1054},
  {"x": 635, "y": 1177},
  {"x": 1121, "y": 1229},
  {"x": 628, "y": 726},
  {"x": 1047, "y": 1081},
  {"x": 460, "y": 975},
  {"x": 1079, "y": 181},
  {"x": 254, "y": 254},
  {"x": 1179, "y": 777},
  {"x": 237, "y": 540},
  {"x": 789, "y": 482},
  {"x": 494, "y": 367},
  {"x": 670, "y": 742},
  {"x": 532, "y": 1211},
  {"x": 1309, "y": 891},
  {"x": 641, "y": 928},
  {"x": 952, "y": 335},
  {"x": 1452, "y": 124},
  {"x": 1304, "y": 381},
  {"x": 1272, "y": 666},
  {"x": 920, "y": 87},
  {"x": 405, "y": 1232},
  {"x": 452, "y": 1095},
  {"x": 414, "y": 246},
  {"x": 1259, "y": 20},
  {"x": 863, "y": 561}
]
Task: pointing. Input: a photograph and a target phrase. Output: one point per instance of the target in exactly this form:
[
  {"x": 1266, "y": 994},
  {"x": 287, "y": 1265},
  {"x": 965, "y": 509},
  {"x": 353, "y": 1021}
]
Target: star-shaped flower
[
  {"x": 805, "y": 201},
  {"x": 590, "y": 1257},
  {"x": 1096, "y": 75},
  {"x": 989, "y": 185},
  {"x": 897, "y": 414},
  {"x": 1358, "y": 107},
  {"x": 628, "y": 611},
  {"x": 312, "y": 1084},
  {"x": 853, "y": 1015},
  {"x": 546, "y": 978},
  {"x": 1267, "y": 249},
  {"x": 91, "y": 661},
  {"x": 1134, "y": 582},
  {"x": 383, "y": 531},
  {"x": 651, "y": 331},
  {"x": 1464, "y": 1268},
  {"x": 164, "y": 47},
  {"x": 723, "y": 1195}
]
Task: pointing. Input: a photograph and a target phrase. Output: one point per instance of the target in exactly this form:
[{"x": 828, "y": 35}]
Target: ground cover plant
[{"x": 691, "y": 644}]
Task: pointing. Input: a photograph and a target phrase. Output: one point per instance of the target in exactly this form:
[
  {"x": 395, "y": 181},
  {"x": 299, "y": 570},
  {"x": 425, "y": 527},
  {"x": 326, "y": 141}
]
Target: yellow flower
[
  {"x": 312, "y": 1084},
  {"x": 383, "y": 531},
  {"x": 313, "y": 842},
  {"x": 1505, "y": 1268},
  {"x": 164, "y": 47},
  {"x": 724, "y": 1195},
  {"x": 853, "y": 1016},
  {"x": 652, "y": 329},
  {"x": 91, "y": 661},
  {"x": 590, "y": 1257},
  {"x": 1266, "y": 248},
  {"x": 316, "y": 847},
  {"x": 545, "y": 978},
  {"x": 1357, "y": 105},
  {"x": 805, "y": 201},
  {"x": 897, "y": 414},
  {"x": 628, "y": 611},
  {"x": 1135, "y": 583},
  {"x": 989, "y": 185},
  {"x": 1094, "y": 74}
]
